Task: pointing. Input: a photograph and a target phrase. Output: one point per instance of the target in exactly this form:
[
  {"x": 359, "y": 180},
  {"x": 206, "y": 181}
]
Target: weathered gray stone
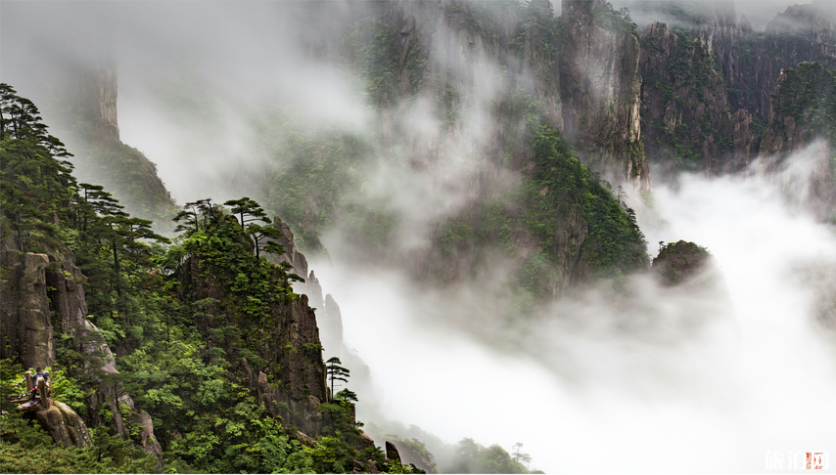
[
  {"x": 601, "y": 90},
  {"x": 392, "y": 452},
  {"x": 26, "y": 323},
  {"x": 64, "y": 425},
  {"x": 149, "y": 441}
]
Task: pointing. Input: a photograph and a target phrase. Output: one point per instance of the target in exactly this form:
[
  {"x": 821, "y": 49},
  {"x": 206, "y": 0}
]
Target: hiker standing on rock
[{"x": 39, "y": 378}]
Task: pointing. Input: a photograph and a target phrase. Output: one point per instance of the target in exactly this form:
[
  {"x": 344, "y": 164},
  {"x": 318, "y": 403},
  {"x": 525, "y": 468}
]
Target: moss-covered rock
[
  {"x": 679, "y": 262},
  {"x": 64, "y": 425}
]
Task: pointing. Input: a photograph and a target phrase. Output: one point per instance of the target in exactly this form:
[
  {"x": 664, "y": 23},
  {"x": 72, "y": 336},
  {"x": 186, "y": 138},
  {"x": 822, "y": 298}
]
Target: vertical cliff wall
[
  {"x": 84, "y": 107},
  {"x": 26, "y": 322},
  {"x": 600, "y": 84},
  {"x": 802, "y": 120},
  {"x": 684, "y": 105},
  {"x": 709, "y": 81},
  {"x": 44, "y": 294}
]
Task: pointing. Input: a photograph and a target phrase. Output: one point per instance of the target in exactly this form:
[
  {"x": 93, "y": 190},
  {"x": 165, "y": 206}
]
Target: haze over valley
[{"x": 571, "y": 236}]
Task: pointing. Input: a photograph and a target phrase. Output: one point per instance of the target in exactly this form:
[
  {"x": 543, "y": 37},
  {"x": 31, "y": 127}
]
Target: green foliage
[
  {"x": 11, "y": 383},
  {"x": 615, "y": 20},
  {"x": 68, "y": 390},
  {"x": 178, "y": 347},
  {"x": 335, "y": 372},
  {"x": 562, "y": 189},
  {"x": 454, "y": 233},
  {"x": 36, "y": 186},
  {"x": 26, "y": 448},
  {"x": 474, "y": 458},
  {"x": 691, "y": 83},
  {"x": 558, "y": 196}
]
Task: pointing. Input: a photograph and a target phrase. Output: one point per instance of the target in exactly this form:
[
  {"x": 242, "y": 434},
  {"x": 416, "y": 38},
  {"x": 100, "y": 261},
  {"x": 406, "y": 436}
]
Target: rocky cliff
[
  {"x": 85, "y": 110},
  {"x": 757, "y": 58},
  {"x": 44, "y": 295},
  {"x": 26, "y": 323},
  {"x": 581, "y": 69},
  {"x": 290, "y": 348},
  {"x": 802, "y": 121},
  {"x": 709, "y": 81},
  {"x": 687, "y": 120},
  {"x": 600, "y": 84}
]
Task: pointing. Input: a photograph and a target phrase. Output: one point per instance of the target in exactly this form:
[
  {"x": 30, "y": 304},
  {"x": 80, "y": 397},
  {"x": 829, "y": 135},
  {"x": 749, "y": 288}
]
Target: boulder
[
  {"x": 392, "y": 452},
  {"x": 363, "y": 441},
  {"x": 146, "y": 433},
  {"x": 64, "y": 425}
]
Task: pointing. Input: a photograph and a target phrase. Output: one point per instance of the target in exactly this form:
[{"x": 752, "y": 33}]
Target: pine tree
[
  {"x": 335, "y": 372},
  {"x": 250, "y": 213}
]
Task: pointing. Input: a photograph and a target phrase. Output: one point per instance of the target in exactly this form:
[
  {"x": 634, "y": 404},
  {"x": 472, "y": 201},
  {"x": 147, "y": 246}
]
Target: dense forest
[{"x": 193, "y": 318}]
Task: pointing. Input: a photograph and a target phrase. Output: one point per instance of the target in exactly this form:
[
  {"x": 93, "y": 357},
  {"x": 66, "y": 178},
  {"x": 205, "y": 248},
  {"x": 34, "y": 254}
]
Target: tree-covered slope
[{"x": 206, "y": 336}]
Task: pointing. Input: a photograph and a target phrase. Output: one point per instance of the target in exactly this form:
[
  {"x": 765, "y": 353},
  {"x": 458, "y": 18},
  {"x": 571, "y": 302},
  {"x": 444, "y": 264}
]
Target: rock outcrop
[
  {"x": 392, "y": 452},
  {"x": 679, "y": 262},
  {"x": 291, "y": 254},
  {"x": 26, "y": 322},
  {"x": 684, "y": 101},
  {"x": 746, "y": 143},
  {"x": 146, "y": 434},
  {"x": 408, "y": 454},
  {"x": 44, "y": 293},
  {"x": 294, "y": 355},
  {"x": 64, "y": 425},
  {"x": 332, "y": 324},
  {"x": 601, "y": 89}
]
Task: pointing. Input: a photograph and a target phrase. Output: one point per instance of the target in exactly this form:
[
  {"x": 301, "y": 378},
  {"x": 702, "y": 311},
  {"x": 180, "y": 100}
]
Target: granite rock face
[
  {"x": 294, "y": 357},
  {"x": 601, "y": 89},
  {"x": 26, "y": 322},
  {"x": 708, "y": 86},
  {"x": 684, "y": 102},
  {"x": 64, "y": 425}
]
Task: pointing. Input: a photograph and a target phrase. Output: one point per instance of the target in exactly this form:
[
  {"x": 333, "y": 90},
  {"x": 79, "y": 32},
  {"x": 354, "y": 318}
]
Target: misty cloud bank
[{"x": 706, "y": 377}]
